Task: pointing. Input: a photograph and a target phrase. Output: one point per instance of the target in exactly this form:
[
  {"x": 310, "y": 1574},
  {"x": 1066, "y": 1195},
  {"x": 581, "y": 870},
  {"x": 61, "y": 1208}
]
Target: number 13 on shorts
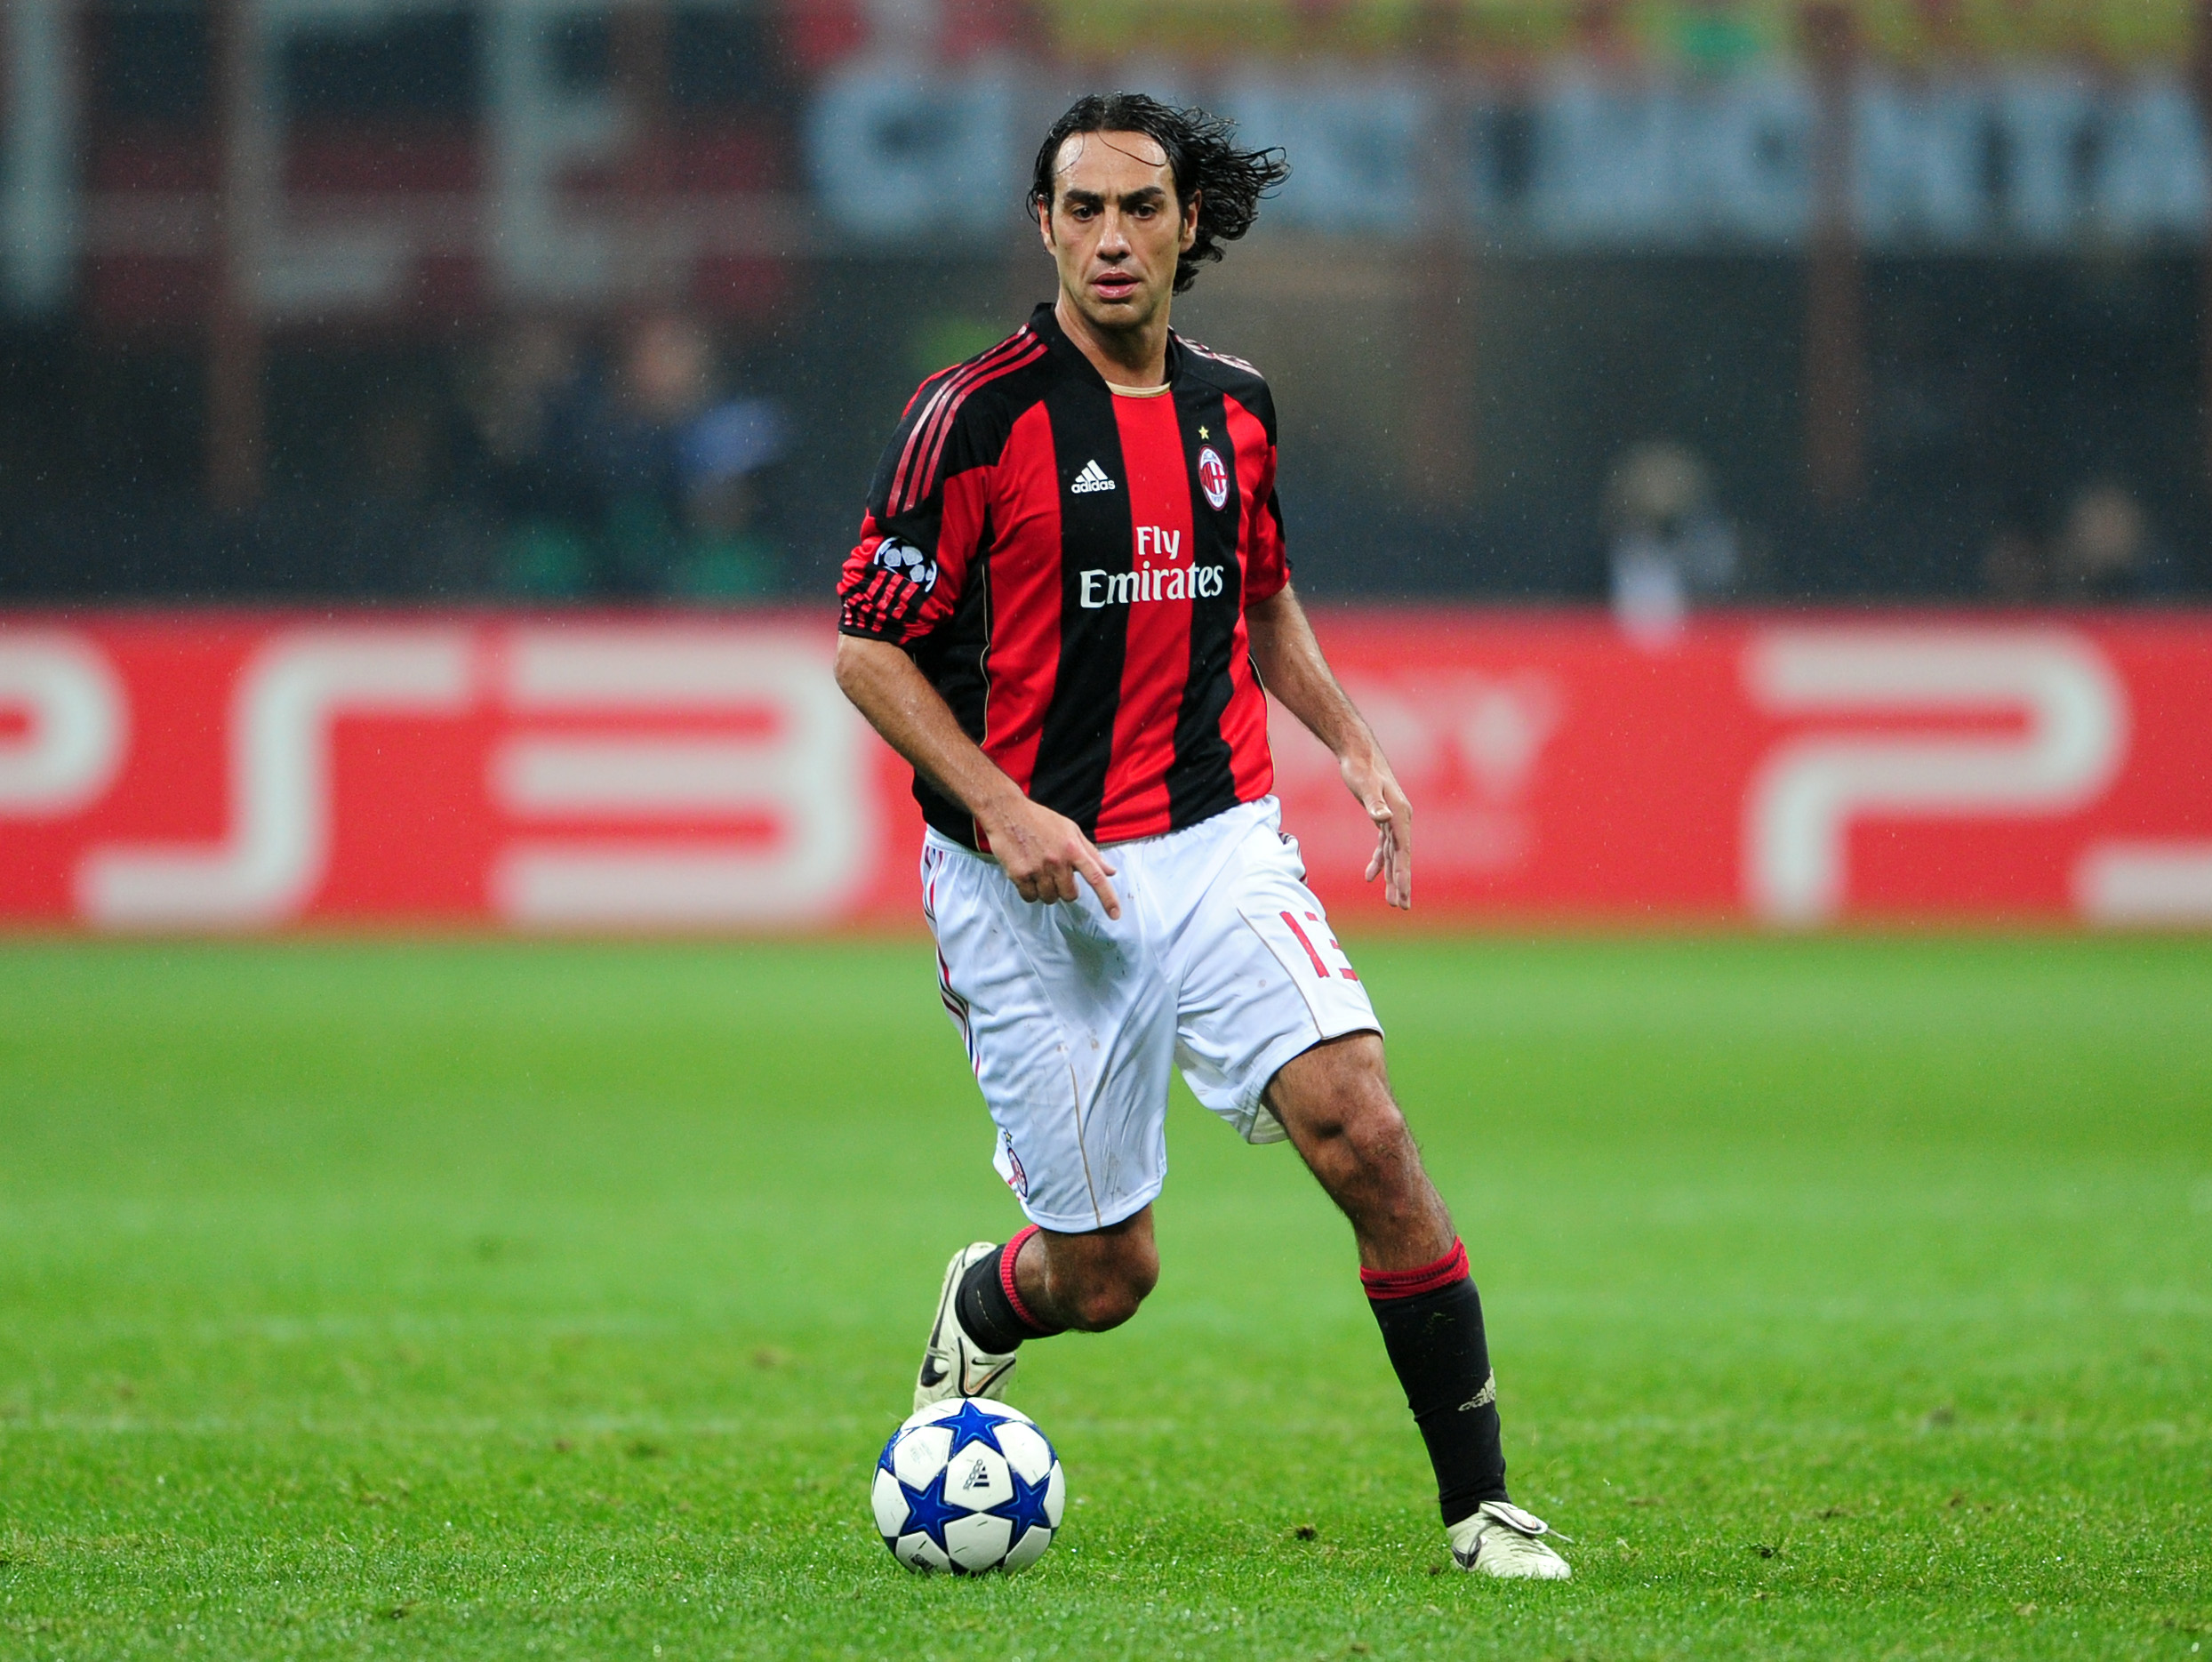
[{"x": 1300, "y": 941}]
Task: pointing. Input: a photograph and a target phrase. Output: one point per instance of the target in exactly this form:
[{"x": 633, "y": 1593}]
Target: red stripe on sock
[
  {"x": 1386, "y": 1284},
  {"x": 1006, "y": 1256}
]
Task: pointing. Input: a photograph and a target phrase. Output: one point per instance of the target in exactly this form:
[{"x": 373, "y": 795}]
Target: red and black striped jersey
[{"x": 1069, "y": 564}]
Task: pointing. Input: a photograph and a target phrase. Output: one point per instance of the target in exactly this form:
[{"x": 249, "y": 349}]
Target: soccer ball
[{"x": 968, "y": 1485}]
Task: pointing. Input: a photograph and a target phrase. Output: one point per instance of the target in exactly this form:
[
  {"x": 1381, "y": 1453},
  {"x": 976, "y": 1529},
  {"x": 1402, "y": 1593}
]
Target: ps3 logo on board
[{"x": 1214, "y": 476}]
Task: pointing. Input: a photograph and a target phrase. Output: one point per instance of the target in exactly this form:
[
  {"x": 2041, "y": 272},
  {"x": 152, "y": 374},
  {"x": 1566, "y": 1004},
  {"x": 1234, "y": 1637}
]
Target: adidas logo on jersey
[{"x": 1092, "y": 479}]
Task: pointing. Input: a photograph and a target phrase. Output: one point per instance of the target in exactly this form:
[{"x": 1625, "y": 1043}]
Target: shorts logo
[
  {"x": 1093, "y": 478},
  {"x": 907, "y": 561},
  {"x": 1213, "y": 476},
  {"x": 1009, "y": 1165}
]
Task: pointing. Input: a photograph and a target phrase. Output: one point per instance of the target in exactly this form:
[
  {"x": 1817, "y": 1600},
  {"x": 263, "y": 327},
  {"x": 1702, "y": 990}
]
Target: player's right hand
[
  {"x": 1043, "y": 853},
  {"x": 1370, "y": 779}
]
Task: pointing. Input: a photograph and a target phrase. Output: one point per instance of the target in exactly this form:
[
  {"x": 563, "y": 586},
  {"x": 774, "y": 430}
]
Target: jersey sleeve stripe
[
  {"x": 937, "y": 395},
  {"x": 916, "y": 440},
  {"x": 1219, "y": 357},
  {"x": 938, "y": 424},
  {"x": 938, "y": 387},
  {"x": 952, "y": 410},
  {"x": 939, "y": 427}
]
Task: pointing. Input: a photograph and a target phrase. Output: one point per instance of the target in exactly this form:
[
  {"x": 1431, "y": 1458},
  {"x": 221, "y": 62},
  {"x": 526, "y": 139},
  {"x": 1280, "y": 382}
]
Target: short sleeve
[{"x": 1267, "y": 562}]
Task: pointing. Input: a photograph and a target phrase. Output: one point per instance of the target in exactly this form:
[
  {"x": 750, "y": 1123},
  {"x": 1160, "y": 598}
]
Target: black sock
[
  {"x": 990, "y": 1306},
  {"x": 1432, "y": 1322}
]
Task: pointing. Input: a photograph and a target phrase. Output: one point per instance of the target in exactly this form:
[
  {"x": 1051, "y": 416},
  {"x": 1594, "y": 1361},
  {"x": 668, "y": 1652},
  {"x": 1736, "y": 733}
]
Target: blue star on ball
[
  {"x": 1026, "y": 1510},
  {"x": 928, "y": 1511},
  {"x": 971, "y": 1424}
]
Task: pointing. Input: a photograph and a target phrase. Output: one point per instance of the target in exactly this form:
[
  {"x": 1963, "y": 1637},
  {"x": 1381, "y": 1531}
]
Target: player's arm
[
  {"x": 1042, "y": 852},
  {"x": 902, "y": 582},
  {"x": 1290, "y": 662}
]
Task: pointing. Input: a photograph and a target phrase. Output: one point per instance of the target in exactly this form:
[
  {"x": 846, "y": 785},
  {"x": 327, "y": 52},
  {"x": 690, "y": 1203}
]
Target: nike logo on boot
[{"x": 976, "y": 1387}]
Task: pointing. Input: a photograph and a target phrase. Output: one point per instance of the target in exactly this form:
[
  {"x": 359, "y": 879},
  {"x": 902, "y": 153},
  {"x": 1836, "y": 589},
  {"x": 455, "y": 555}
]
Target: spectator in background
[
  {"x": 620, "y": 438},
  {"x": 403, "y": 531},
  {"x": 510, "y": 389},
  {"x": 2014, "y": 571},
  {"x": 2105, "y": 551},
  {"x": 1669, "y": 547},
  {"x": 401, "y": 445},
  {"x": 510, "y": 393},
  {"x": 725, "y": 451},
  {"x": 624, "y": 474},
  {"x": 665, "y": 465}
]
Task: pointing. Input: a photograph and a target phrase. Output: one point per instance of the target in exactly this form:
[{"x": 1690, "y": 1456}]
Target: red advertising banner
[{"x": 227, "y": 772}]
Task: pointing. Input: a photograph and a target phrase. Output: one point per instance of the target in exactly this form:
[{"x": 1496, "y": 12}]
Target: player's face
[{"x": 1115, "y": 227}]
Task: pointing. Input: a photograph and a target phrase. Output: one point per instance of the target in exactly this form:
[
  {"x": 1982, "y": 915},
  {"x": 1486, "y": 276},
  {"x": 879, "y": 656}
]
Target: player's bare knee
[
  {"x": 1105, "y": 1278},
  {"x": 1378, "y": 1135},
  {"x": 1105, "y": 1307},
  {"x": 1363, "y": 1128},
  {"x": 1107, "y": 1299}
]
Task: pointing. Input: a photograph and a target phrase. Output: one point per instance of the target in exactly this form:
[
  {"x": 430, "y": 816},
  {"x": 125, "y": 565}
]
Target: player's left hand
[{"x": 1369, "y": 778}]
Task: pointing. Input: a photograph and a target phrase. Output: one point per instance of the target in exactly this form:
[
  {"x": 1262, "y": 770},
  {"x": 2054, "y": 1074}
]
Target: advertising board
[{"x": 663, "y": 772}]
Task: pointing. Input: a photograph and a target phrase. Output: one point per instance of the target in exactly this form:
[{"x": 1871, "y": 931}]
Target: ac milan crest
[{"x": 1214, "y": 476}]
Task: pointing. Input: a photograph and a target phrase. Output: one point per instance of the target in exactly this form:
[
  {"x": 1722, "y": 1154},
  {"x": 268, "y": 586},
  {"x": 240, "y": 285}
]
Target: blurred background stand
[
  {"x": 326, "y": 302},
  {"x": 245, "y": 148},
  {"x": 1835, "y": 300}
]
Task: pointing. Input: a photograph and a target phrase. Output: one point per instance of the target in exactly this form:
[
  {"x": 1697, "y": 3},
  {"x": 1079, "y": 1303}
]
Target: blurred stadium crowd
[{"x": 1674, "y": 303}]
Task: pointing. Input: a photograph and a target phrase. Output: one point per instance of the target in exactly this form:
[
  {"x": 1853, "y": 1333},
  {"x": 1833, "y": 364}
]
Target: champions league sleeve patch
[
  {"x": 903, "y": 559},
  {"x": 891, "y": 590}
]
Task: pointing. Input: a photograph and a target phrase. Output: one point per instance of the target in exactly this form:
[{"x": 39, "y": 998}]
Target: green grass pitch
[{"x": 1850, "y": 1298}]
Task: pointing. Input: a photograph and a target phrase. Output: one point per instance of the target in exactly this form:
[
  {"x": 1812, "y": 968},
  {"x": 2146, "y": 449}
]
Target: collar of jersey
[{"x": 1045, "y": 324}]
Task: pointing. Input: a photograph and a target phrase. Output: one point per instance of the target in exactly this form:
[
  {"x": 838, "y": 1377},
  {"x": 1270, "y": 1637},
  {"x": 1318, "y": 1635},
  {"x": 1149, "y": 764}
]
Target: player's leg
[
  {"x": 1045, "y": 1282},
  {"x": 1091, "y": 1281},
  {"x": 998, "y": 1296},
  {"x": 1334, "y": 1101},
  {"x": 1278, "y": 1035},
  {"x": 1071, "y": 1029}
]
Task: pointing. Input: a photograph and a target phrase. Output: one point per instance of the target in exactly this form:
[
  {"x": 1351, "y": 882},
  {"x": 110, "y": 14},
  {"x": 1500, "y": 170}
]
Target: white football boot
[
  {"x": 954, "y": 1364},
  {"x": 1500, "y": 1539}
]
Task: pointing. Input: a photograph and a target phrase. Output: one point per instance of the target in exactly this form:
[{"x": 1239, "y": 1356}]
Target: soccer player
[{"x": 1069, "y": 593}]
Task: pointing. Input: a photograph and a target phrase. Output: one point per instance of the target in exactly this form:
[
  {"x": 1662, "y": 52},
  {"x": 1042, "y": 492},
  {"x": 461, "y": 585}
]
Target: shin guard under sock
[
  {"x": 1432, "y": 1322},
  {"x": 990, "y": 1306}
]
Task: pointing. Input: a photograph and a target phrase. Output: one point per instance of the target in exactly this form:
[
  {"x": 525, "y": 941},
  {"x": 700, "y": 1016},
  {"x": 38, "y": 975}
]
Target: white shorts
[{"x": 1221, "y": 963}]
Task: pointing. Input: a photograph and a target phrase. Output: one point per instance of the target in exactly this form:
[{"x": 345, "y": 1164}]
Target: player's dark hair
[{"x": 1228, "y": 182}]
